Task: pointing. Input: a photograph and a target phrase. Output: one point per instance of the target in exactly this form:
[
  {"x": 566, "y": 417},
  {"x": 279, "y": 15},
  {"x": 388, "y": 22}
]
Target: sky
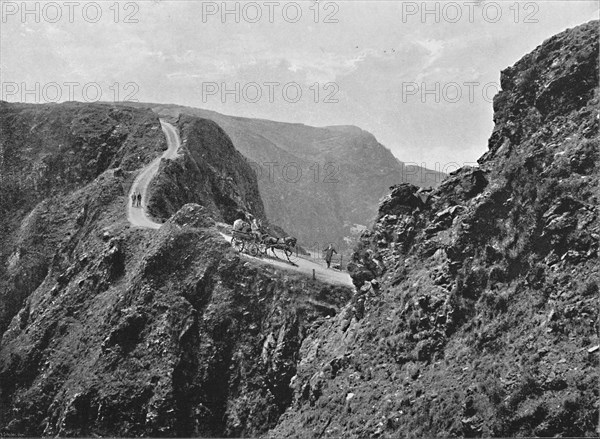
[{"x": 420, "y": 76}]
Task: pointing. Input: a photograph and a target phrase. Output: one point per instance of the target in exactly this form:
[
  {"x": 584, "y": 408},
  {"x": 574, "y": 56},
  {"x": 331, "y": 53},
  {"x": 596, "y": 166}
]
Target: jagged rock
[
  {"x": 566, "y": 205},
  {"x": 464, "y": 184},
  {"x": 401, "y": 200},
  {"x": 193, "y": 215}
]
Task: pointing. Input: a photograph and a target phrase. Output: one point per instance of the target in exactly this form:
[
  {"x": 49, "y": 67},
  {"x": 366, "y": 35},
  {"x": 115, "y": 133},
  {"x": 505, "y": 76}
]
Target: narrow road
[
  {"x": 137, "y": 216},
  {"x": 302, "y": 265}
]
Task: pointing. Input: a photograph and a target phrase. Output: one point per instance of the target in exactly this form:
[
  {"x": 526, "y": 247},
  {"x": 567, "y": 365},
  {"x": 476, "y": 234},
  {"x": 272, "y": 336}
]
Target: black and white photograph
[{"x": 299, "y": 219}]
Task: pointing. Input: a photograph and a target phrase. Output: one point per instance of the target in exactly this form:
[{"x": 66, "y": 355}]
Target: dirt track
[{"x": 137, "y": 216}]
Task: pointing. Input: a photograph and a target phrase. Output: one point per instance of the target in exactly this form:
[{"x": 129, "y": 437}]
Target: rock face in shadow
[
  {"x": 157, "y": 333},
  {"x": 476, "y": 308}
]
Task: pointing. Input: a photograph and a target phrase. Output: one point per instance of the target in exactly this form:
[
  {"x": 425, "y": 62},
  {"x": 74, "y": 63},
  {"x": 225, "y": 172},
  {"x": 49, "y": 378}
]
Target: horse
[{"x": 286, "y": 244}]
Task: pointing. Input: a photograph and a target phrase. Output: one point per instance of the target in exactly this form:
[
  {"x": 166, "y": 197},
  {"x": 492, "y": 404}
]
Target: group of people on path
[{"x": 136, "y": 199}]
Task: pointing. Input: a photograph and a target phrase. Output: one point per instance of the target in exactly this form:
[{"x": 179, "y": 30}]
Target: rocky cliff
[
  {"x": 168, "y": 333},
  {"x": 113, "y": 330},
  {"x": 477, "y": 305},
  {"x": 209, "y": 172}
]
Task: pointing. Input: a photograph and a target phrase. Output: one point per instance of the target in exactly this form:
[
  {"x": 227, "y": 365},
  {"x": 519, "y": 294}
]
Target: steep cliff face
[
  {"x": 114, "y": 330},
  {"x": 48, "y": 153},
  {"x": 477, "y": 304}
]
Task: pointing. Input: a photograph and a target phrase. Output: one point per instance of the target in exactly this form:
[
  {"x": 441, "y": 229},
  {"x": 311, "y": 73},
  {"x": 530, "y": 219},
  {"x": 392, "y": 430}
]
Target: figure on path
[{"x": 328, "y": 252}]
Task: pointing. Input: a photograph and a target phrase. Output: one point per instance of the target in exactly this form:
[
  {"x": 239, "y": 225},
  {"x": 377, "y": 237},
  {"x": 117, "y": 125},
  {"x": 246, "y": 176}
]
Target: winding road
[{"x": 138, "y": 217}]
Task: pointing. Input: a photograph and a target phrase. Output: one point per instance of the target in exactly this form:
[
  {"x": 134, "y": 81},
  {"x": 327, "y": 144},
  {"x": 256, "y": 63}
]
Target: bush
[
  {"x": 591, "y": 288},
  {"x": 495, "y": 301},
  {"x": 475, "y": 281}
]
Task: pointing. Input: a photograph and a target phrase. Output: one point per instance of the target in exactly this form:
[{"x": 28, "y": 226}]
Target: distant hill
[{"x": 321, "y": 184}]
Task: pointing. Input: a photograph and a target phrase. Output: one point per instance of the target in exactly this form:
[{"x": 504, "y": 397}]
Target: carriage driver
[
  {"x": 240, "y": 224},
  {"x": 256, "y": 226}
]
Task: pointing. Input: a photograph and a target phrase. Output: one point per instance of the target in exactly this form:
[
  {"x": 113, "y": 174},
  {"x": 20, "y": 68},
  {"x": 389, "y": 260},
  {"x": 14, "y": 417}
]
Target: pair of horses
[
  {"x": 286, "y": 244},
  {"x": 258, "y": 242}
]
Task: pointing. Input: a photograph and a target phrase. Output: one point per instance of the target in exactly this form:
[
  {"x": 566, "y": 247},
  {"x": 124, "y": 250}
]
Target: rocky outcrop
[
  {"x": 210, "y": 172},
  {"x": 476, "y": 305}
]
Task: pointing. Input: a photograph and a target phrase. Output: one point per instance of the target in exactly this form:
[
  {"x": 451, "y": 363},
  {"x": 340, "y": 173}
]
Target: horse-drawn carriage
[
  {"x": 248, "y": 242},
  {"x": 257, "y": 244}
]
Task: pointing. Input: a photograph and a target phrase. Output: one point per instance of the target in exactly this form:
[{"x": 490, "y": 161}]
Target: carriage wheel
[
  {"x": 253, "y": 249},
  {"x": 238, "y": 244}
]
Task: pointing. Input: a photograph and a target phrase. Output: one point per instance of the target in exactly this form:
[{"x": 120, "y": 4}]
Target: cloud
[{"x": 370, "y": 53}]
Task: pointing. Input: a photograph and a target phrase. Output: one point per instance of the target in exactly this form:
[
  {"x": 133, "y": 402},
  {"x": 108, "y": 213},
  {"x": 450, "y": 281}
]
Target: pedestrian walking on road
[
  {"x": 139, "y": 200},
  {"x": 133, "y": 198},
  {"x": 328, "y": 252}
]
